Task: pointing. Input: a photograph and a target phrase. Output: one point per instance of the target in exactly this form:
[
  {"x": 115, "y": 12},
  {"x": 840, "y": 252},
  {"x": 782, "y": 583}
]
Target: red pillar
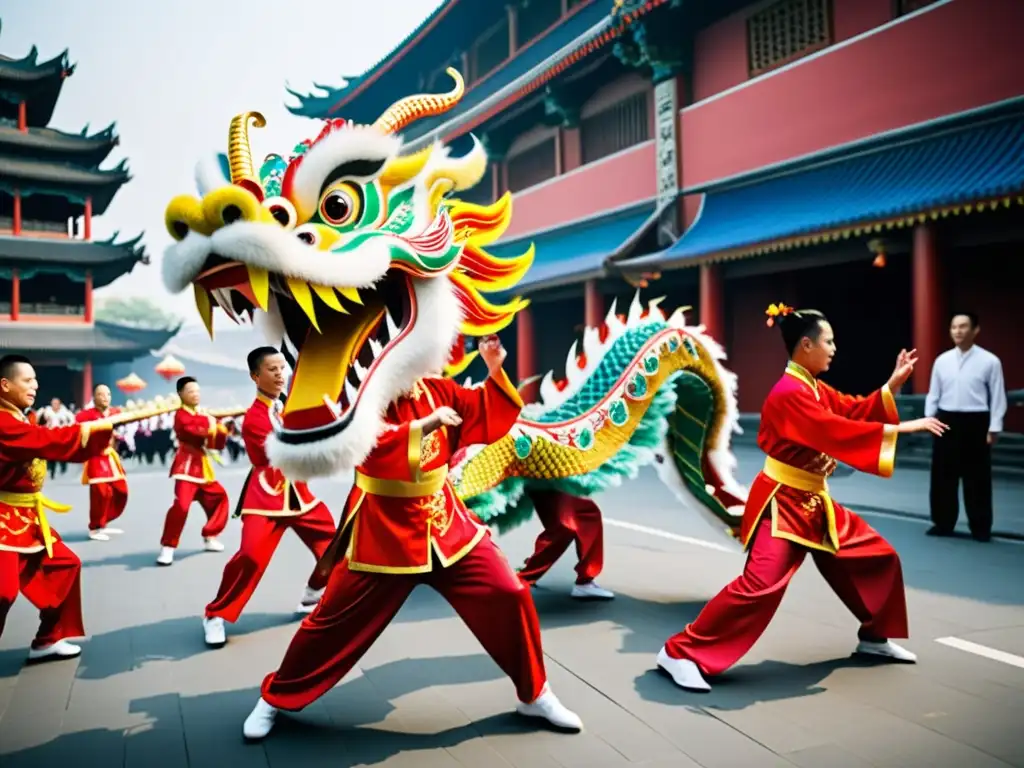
[
  {"x": 526, "y": 356},
  {"x": 16, "y": 216},
  {"x": 15, "y": 294},
  {"x": 927, "y": 301},
  {"x": 86, "y": 383},
  {"x": 22, "y": 117},
  {"x": 88, "y": 297},
  {"x": 712, "y": 301},
  {"x": 593, "y": 305},
  {"x": 87, "y": 217}
]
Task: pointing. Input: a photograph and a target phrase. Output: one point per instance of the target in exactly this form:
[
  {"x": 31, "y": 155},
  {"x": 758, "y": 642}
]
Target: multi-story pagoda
[{"x": 51, "y": 187}]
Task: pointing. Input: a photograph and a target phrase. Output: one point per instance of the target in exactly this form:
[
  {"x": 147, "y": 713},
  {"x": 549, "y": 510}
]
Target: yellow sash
[
  {"x": 40, "y": 504},
  {"x": 429, "y": 483}
]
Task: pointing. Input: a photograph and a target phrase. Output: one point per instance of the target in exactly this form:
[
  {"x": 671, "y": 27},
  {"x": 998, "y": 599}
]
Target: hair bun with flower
[{"x": 777, "y": 310}]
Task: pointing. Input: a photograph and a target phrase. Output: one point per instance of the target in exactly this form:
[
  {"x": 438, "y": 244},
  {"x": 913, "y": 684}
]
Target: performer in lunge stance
[
  {"x": 567, "y": 519},
  {"x": 270, "y": 504},
  {"x": 806, "y": 427},
  {"x": 33, "y": 559},
  {"x": 105, "y": 476},
  {"x": 403, "y": 525},
  {"x": 193, "y": 475}
]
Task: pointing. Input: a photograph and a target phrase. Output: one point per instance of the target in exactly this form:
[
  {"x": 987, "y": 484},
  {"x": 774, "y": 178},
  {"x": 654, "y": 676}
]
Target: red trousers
[
  {"x": 51, "y": 584},
  {"x": 106, "y": 503},
  {"x": 481, "y": 587},
  {"x": 566, "y": 519},
  {"x": 211, "y": 497},
  {"x": 865, "y": 574},
  {"x": 260, "y": 537}
]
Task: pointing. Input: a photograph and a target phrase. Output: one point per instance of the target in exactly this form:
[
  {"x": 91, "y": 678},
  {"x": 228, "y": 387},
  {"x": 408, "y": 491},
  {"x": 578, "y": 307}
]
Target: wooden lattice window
[
  {"x": 490, "y": 51},
  {"x": 904, "y": 7},
  {"x": 786, "y": 31},
  {"x": 622, "y": 125},
  {"x": 532, "y": 166},
  {"x": 534, "y": 17}
]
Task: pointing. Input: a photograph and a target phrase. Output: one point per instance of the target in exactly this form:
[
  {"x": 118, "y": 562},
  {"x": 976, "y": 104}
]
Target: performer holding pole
[
  {"x": 33, "y": 559},
  {"x": 270, "y": 504},
  {"x": 105, "y": 475},
  {"x": 806, "y": 427},
  {"x": 404, "y": 525},
  {"x": 197, "y": 432}
]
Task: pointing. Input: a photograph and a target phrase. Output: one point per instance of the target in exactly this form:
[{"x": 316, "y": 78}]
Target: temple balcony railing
[{"x": 39, "y": 309}]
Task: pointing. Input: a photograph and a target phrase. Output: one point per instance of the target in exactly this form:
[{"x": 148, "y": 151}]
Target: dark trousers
[{"x": 962, "y": 453}]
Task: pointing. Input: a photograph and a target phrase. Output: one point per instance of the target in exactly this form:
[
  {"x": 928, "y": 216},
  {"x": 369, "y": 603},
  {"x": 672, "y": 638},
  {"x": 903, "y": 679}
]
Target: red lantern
[
  {"x": 170, "y": 367},
  {"x": 131, "y": 384}
]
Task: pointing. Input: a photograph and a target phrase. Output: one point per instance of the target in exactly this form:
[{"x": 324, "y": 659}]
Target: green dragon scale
[{"x": 647, "y": 390}]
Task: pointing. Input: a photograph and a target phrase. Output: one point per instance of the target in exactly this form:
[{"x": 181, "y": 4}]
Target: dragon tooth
[
  {"x": 204, "y": 306},
  {"x": 635, "y": 310},
  {"x": 376, "y": 347},
  {"x": 328, "y": 297},
  {"x": 352, "y": 294},
  {"x": 304, "y": 298},
  {"x": 392, "y": 327},
  {"x": 359, "y": 369},
  {"x": 259, "y": 283},
  {"x": 335, "y": 408},
  {"x": 350, "y": 392}
]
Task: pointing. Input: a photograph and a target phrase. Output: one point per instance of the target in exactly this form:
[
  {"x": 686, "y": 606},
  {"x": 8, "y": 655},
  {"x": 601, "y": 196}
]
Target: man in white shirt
[
  {"x": 56, "y": 414},
  {"x": 967, "y": 393}
]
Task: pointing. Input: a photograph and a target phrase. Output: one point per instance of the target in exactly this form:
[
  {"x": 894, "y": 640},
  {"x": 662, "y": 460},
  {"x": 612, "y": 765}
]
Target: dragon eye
[
  {"x": 282, "y": 210},
  {"x": 340, "y": 205}
]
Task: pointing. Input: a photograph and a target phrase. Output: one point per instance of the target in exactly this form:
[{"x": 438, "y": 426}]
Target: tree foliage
[{"x": 136, "y": 311}]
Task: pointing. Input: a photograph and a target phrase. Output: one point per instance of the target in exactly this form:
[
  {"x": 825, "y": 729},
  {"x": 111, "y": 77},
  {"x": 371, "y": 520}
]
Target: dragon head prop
[{"x": 354, "y": 259}]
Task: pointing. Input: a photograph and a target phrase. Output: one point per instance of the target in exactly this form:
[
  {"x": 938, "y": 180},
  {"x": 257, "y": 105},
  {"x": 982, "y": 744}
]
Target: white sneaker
[
  {"x": 166, "y": 556},
  {"x": 590, "y": 591},
  {"x": 213, "y": 629},
  {"x": 212, "y": 545},
  {"x": 112, "y": 531},
  {"x": 551, "y": 709},
  {"x": 310, "y": 598},
  {"x": 62, "y": 649},
  {"x": 683, "y": 672},
  {"x": 260, "y": 721},
  {"x": 887, "y": 649},
  {"x": 98, "y": 536}
]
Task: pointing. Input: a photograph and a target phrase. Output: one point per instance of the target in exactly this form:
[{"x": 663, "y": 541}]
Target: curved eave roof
[
  {"x": 38, "y": 83},
  {"x": 64, "y": 180},
  {"x": 454, "y": 23},
  {"x": 115, "y": 340},
  {"x": 105, "y": 259},
  {"x": 80, "y": 148}
]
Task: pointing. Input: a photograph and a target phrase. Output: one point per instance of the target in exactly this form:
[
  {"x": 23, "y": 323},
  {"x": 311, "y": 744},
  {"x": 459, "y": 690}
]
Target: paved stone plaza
[{"x": 147, "y": 692}]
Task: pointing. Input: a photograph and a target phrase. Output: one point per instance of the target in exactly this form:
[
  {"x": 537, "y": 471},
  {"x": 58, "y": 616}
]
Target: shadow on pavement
[
  {"x": 137, "y": 561},
  {"x": 338, "y": 730}
]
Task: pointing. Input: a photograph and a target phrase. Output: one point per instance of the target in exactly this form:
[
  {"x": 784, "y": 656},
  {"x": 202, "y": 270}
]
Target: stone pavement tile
[
  {"x": 829, "y": 755},
  {"x": 213, "y": 740},
  {"x": 1006, "y": 639}
]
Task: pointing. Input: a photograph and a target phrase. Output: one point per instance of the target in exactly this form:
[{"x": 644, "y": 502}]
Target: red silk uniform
[
  {"x": 33, "y": 559},
  {"x": 270, "y": 505},
  {"x": 105, "y": 476},
  {"x": 806, "y": 427},
  {"x": 566, "y": 519},
  {"x": 405, "y": 526},
  {"x": 193, "y": 475}
]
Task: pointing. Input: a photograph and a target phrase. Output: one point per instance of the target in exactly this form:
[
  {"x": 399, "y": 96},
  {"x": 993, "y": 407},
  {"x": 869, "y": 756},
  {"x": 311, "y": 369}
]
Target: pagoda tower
[{"x": 51, "y": 188}]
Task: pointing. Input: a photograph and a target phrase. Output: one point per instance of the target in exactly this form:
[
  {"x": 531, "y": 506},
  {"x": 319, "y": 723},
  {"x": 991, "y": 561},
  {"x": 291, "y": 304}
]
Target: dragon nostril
[
  {"x": 306, "y": 237},
  {"x": 231, "y": 214},
  {"x": 180, "y": 229}
]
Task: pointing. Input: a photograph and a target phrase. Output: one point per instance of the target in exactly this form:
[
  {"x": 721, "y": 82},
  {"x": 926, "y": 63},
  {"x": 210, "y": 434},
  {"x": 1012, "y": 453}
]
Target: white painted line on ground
[
  {"x": 671, "y": 536},
  {"x": 982, "y": 650}
]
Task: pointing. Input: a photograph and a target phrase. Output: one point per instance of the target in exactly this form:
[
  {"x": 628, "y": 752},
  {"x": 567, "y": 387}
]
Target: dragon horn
[
  {"x": 240, "y": 154},
  {"x": 412, "y": 108}
]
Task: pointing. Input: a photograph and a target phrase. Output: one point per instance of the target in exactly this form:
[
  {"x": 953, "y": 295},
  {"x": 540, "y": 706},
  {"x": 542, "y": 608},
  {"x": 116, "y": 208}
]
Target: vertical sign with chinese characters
[{"x": 666, "y": 116}]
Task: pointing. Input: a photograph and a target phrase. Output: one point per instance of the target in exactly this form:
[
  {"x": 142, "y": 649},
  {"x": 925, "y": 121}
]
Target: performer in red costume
[
  {"x": 192, "y": 471},
  {"x": 33, "y": 559},
  {"x": 567, "y": 519},
  {"x": 105, "y": 476},
  {"x": 806, "y": 427},
  {"x": 403, "y": 525},
  {"x": 270, "y": 504}
]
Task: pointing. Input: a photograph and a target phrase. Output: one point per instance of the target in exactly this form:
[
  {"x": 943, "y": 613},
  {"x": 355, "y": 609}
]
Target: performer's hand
[
  {"x": 992, "y": 437},
  {"x": 492, "y": 353},
  {"x": 927, "y": 424},
  {"x": 905, "y": 362},
  {"x": 447, "y": 416}
]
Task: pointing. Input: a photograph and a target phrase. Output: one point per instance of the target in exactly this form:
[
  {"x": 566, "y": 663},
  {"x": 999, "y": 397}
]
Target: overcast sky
[{"x": 173, "y": 74}]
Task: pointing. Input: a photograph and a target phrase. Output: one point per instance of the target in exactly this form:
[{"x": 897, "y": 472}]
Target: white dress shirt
[
  {"x": 968, "y": 382},
  {"x": 59, "y": 418}
]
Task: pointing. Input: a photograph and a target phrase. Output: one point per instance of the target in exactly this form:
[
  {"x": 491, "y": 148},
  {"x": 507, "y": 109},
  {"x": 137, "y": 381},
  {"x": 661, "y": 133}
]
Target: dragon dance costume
[
  {"x": 33, "y": 558},
  {"x": 107, "y": 481}
]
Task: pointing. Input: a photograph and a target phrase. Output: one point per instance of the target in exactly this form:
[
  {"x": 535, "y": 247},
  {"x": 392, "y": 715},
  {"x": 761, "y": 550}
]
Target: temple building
[
  {"x": 51, "y": 188},
  {"x": 862, "y": 157}
]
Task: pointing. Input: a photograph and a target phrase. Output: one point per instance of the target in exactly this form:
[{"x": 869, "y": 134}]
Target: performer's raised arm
[{"x": 488, "y": 410}]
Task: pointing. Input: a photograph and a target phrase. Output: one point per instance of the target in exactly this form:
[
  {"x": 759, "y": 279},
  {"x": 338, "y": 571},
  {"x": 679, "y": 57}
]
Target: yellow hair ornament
[{"x": 777, "y": 310}]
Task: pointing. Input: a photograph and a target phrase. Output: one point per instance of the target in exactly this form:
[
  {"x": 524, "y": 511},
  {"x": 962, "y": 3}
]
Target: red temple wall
[{"x": 954, "y": 57}]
